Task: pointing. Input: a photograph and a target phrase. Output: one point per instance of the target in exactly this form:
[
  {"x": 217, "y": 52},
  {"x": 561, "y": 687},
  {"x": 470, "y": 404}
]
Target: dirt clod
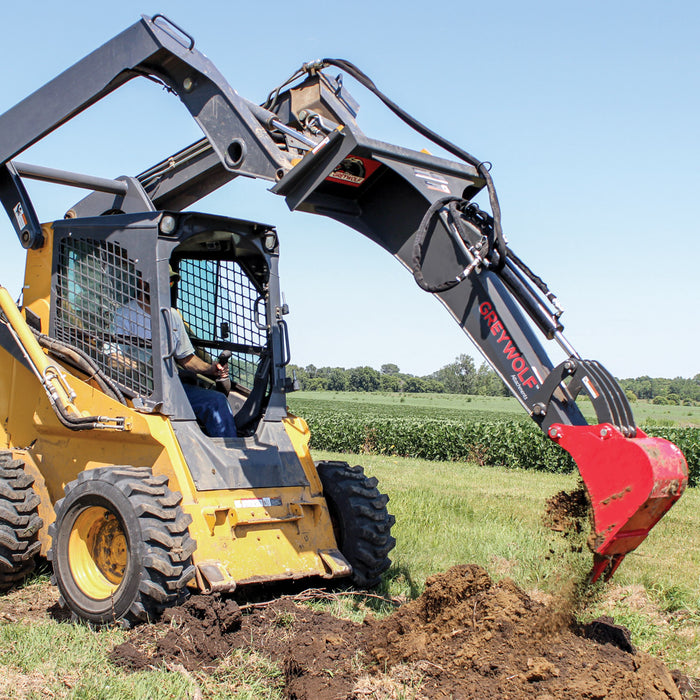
[
  {"x": 567, "y": 511},
  {"x": 195, "y": 634},
  {"x": 689, "y": 690},
  {"x": 465, "y": 637}
]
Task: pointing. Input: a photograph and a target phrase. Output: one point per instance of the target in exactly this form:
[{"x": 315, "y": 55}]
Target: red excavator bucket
[{"x": 631, "y": 483}]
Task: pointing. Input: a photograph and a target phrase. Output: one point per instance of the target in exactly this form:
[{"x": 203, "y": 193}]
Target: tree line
[
  {"x": 463, "y": 377},
  {"x": 678, "y": 391},
  {"x": 458, "y": 377}
]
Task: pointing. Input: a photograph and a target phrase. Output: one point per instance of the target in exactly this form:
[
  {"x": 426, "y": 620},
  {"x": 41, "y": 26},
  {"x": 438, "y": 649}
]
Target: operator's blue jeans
[{"x": 213, "y": 411}]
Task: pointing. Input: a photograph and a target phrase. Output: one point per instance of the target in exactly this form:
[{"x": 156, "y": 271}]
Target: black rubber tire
[
  {"x": 19, "y": 522},
  {"x": 361, "y": 522},
  {"x": 126, "y": 523}
]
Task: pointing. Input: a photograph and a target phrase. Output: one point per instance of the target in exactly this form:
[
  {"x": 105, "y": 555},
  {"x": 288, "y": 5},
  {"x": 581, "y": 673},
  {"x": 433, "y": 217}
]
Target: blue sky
[{"x": 588, "y": 111}]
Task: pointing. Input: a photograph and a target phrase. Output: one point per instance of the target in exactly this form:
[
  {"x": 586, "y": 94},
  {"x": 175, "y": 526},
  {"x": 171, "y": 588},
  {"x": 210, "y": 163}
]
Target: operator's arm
[
  {"x": 185, "y": 355},
  {"x": 193, "y": 363}
]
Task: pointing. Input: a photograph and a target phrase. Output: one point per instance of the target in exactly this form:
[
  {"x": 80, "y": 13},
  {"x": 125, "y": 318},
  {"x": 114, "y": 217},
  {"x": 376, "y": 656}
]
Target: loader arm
[
  {"x": 417, "y": 206},
  {"x": 159, "y": 50}
]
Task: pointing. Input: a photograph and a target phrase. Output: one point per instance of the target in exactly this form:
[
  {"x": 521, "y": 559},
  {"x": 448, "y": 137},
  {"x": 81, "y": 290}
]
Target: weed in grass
[
  {"x": 358, "y": 663},
  {"x": 285, "y": 619},
  {"x": 673, "y": 599},
  {"x": 282, "y": 625}
]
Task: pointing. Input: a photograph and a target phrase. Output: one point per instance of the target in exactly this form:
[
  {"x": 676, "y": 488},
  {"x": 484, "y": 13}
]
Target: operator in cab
[{"x": 211, "y": 408}]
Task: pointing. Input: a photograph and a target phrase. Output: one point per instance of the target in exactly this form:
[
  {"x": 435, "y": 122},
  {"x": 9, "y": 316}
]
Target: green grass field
[
  {"x": 489, "y": 430},
  {"x": 470, "y": 407},
  {"x": 446, "y": 513}
]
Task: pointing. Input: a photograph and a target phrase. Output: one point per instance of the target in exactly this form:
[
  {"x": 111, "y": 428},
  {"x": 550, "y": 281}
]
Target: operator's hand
[{"x": 219, "y": 371}]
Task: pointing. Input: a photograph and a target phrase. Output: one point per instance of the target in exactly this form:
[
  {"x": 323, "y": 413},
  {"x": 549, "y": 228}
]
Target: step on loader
[{"x": 107, "y": 466}]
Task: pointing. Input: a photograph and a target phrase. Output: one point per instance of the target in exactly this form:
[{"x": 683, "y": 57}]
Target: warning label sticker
[
  {"x": 257, "y": 502},
  {"x": 433, "y": 181},
  {"x": 20, "y": 218}
]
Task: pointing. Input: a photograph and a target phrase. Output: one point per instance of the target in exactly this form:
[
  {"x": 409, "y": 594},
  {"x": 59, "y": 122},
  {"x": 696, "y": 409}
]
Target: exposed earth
[{"x": 465, "y": 637}]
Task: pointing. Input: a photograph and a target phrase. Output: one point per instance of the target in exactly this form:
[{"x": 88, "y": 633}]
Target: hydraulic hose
[
  {"x": 421, "y": 234},
  {"x": 58, "y": 391},
  {"x": 83, "y": 362},
  {"x": 498, "y": 243}
]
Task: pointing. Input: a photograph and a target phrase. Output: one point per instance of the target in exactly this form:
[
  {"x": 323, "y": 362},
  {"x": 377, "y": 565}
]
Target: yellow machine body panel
[{"x": 242, "y": 535}]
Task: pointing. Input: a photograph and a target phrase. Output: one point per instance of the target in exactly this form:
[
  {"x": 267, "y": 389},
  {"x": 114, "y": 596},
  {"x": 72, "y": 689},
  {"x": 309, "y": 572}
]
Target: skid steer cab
[{"x": 140, "y": 501}]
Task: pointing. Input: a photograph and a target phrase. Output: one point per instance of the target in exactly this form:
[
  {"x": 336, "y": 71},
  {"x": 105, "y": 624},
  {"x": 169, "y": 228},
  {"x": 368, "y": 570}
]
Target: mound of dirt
[
  {"x": 465, "y": 637},
  {"x": 491, "y": 640}
]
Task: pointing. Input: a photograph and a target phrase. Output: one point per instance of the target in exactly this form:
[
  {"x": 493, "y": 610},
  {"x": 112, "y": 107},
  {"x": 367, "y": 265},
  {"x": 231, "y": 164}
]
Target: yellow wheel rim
[{"x": 97, "y": 552}]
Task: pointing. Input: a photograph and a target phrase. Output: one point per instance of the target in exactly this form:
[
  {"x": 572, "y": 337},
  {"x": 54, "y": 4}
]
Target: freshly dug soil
[
  {"x": 465, "y": 637},
  {"x": 567, "y": 511}
]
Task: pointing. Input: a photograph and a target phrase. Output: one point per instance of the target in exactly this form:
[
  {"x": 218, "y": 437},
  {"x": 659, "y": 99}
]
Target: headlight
[
  {"x": 269, "y": 241},
  {"x": 167, "y": 224}
]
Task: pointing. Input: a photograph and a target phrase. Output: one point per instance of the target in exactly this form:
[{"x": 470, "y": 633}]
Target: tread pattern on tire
[
  {"x": 166, "y": 545},
  {"x": 362, "y": 522},
  {"x": 19, "y": 522}
]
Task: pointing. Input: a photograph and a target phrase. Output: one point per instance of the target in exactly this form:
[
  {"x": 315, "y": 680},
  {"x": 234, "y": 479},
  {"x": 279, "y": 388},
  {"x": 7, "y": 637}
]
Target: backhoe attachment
[
  {"x": 418, "y": 208},
  {"x": 631, "y": 484}
]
